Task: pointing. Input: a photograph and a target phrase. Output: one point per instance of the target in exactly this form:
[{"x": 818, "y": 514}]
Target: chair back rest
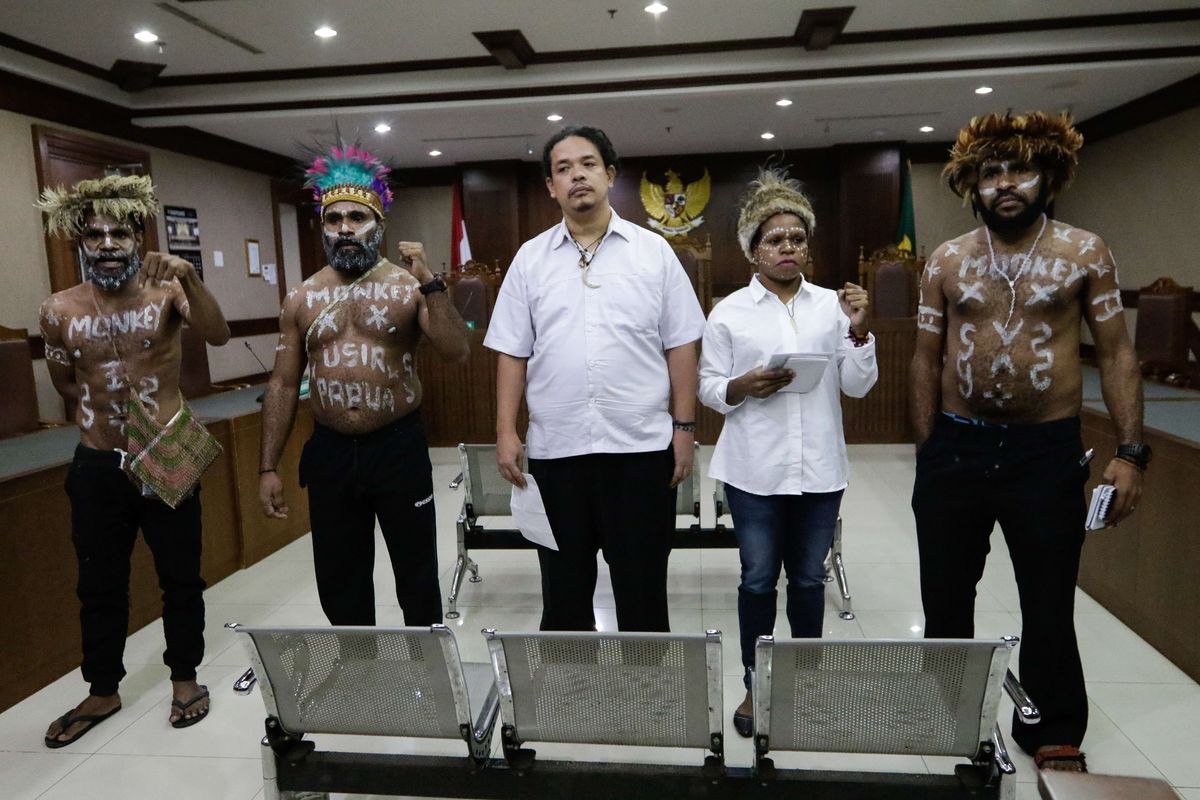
[
  {"x": 362, "y": 680},
  {"x": 487, "y": 492},
  {"x": 648, "y": 689},
  {"x": 916, "y": 697},
  {"x": 470, "y": 295},
  {"x": 1161, "y": 334},
  {"x": 720, "y": 499},
  {"x": 18, "y": 401},
  {"x": 891, "y": 278}
]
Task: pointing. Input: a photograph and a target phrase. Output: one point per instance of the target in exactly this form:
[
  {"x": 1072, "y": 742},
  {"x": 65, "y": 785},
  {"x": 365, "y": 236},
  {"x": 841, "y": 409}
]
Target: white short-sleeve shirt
[
  {"x": 596, "y": 379},
  {"x": 787, "y": 443}
]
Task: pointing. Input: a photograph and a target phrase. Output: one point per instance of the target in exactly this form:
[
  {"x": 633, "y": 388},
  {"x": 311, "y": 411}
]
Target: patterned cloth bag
[{"x": 167, "y": 460}]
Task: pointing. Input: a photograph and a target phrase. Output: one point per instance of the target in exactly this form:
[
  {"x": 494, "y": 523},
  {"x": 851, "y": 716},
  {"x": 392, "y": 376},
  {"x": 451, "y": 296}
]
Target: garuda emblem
[{"x": 673, "y": 209}]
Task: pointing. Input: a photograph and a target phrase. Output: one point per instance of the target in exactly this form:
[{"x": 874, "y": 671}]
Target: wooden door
[{"x": 63, "y": 159}]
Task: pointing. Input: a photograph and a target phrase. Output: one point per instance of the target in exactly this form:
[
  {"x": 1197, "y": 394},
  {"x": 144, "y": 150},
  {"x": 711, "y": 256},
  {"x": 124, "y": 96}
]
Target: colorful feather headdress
[
  {"x": 123, "y": 197},
  {"x": 773, "y": 193},
  {"x": 350, "y": 173},
  {"x": 1036, "y": 137}
]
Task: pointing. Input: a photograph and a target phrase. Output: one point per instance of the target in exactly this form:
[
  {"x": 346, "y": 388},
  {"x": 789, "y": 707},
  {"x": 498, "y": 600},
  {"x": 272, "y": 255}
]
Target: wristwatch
[
  {"x": 690, "y": 427},
  {"x": 1137, "y": 454},
  {"x": 435, "y": 285}
]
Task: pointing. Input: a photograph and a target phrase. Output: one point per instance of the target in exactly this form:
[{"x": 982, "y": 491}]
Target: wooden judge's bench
[{"x": 38, "y": 572}]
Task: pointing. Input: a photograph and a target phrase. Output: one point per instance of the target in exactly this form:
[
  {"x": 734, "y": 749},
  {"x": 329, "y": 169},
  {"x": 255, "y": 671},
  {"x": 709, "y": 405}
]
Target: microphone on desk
[{"x": 260, "y": 363}]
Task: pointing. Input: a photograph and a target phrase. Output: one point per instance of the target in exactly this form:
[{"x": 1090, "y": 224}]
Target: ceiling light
[
  {"x": 783, "y": 102},
  {"x": 435, "y": 153},
  {"x": 325, "y": 32},
  {"x": 656, "y": 8},
  {"x": 926, "y": 129},
  {"x": 767, "y": 135},
  {"x": 984, "y": 90},
  {"x": 146, "y": 36},
  {"x": 382, "y": 127},
  {"x": 554, "y": 117}
]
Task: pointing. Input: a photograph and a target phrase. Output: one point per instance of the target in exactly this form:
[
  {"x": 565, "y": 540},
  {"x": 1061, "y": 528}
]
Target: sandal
[
  {"x": 184, "y": 721},
  {"x": 66, "y": 721}
]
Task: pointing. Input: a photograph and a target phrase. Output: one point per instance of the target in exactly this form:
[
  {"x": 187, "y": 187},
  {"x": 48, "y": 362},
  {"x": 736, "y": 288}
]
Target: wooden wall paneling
[
  {"x": 538, "y": 211},
  {"x": 459, "y": 400},
  {"x": 262, "y": 536},
  {"x": 491, "y": 204},
  {"x": 883, "y": 415},
  {"x": 1144, "y": 571},
  {"x": 41, "y": 614},
  {"x": 868, "y": 203}
]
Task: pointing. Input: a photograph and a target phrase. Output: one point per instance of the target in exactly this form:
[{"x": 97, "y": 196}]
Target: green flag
[{"x": 906, "y": 231}]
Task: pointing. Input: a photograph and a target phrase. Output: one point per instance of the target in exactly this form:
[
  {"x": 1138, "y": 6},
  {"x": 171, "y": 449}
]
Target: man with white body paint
[
  {"x": 119, "y": 331},
  {"x": 356, "y": 325},
  {"x": 996, "y": 393}
]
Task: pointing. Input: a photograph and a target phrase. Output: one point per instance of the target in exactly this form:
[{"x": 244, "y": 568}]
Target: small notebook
[
  {"x": 809, "y": 368},
  {"x": 1102, "y": 500}
]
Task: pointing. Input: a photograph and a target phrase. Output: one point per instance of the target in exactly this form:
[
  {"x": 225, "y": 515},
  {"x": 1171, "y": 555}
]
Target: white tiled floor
[{"x": 1143, "y": 708}]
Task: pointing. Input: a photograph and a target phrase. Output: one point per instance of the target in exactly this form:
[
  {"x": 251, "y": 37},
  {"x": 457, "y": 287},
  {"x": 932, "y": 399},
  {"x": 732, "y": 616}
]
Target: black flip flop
[
  {"x": 66, "y": 721},
  {"x": 187, "y": 722}
]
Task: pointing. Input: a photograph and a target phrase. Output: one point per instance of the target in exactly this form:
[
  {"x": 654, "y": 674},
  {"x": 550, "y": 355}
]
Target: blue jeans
[{"x": 774, "y": 531}]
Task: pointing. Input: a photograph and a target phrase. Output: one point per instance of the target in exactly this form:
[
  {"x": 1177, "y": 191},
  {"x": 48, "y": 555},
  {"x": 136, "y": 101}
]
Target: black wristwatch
[
  {"x": 1137, "y": 454},
  {"x": 690, "y": 427},
  {"x": 435, "y": 285}
]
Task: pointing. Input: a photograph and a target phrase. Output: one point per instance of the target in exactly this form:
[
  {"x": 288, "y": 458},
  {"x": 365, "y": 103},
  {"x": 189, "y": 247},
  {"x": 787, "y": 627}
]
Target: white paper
[
  {"x": 529, "y": 514},
  {"x": 218, "y": 258},
  {"x": 268, "y": 273},
  {"x": 809, "y": 368}
]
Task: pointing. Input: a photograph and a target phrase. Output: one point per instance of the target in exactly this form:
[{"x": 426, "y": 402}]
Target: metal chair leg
[{"x": 839, "y": 570}]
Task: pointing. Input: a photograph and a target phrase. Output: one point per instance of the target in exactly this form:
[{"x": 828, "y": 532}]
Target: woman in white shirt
[{"x": 782, "y": 453}]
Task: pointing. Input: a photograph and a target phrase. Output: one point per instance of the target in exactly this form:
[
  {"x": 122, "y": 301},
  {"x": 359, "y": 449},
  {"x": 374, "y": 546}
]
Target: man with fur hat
[
  {"x": 996, "y": 393},
  {"x": 113, "y": 340},
  {"x": 596, "y": 324},
  {"x": 355, "y": 326}
]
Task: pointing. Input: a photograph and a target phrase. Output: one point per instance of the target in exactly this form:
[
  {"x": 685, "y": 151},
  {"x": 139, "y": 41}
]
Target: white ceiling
[{"x": 713, "y": 102}]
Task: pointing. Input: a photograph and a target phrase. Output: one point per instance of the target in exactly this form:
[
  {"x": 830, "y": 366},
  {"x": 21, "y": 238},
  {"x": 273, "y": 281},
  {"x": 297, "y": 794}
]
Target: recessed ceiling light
[
  {"x": 656, "y": 8},
  {"x": 554, "y": 117},
  {"x": 382, "y": 127},
  {"x": 767, "y": 135},
  {"x": 325, "y": 32},
  {"x": 783, "y": 102},
  {"x": 984, "y": 90},
  {"x": 146, "y": 36},
  {"x": 435, "y": 153},
  {"x": 926, "y": 129}
]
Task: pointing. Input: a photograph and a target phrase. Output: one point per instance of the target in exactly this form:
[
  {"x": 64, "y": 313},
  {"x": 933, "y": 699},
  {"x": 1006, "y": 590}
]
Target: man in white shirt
[{"x": 596, "y": 323}]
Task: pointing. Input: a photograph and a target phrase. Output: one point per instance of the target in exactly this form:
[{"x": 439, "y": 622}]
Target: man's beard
[
  {"x": 109, "y": 283},
  {"x": 1001, "y": 224},
  {"x": 356, "y": 255}
]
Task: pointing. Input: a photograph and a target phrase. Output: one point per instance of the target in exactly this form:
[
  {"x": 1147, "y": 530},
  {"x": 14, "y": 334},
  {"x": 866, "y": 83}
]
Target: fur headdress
[
  {"x": 123, "y": 197},
  {"x": 773, "y": 193},
  {"x": 348, "y": 172},
  {"x": 1037, "y": 137}
]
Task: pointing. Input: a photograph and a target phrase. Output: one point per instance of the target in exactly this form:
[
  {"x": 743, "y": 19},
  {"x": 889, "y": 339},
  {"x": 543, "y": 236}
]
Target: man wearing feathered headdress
[
  {"x": 114, "y": 335},
  {"x": 355, "y": 326},
  {"x": 996, "y": 394}
]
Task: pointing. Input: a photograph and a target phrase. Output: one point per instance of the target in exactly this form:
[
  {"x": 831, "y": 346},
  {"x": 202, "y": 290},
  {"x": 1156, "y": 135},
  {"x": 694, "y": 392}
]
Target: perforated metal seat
[
  {"x": 368, "y": 681},
  {"x": 609, "y": 688},
  {"x": 929, "y": 697},
  {"x": 835, "y": 565},
  {"x": 486, "y": 494}
]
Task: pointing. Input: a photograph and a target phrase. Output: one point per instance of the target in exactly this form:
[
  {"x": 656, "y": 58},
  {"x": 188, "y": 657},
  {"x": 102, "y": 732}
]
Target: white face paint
[
  {"x": 1041, "y": 294},
  {"x": 1023, "y": 186},
  {"x": 1087, "y": 246},
  {"x": 1063, "y": 233},
  {"x": 931, "y": 270},
  {"x": 971, "y": 291},
  {"x": 963, "y": 365},
  {"x": 1046, "y": 354},
  {"x": 378, "y": 317},
  {"x": 952, "y": 249},
  {"x": 328, "y": 323}
]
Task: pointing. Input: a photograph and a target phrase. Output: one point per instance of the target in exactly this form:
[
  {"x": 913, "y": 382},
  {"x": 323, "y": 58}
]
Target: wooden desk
[
  {"x": 1145, "y": 570},
  {"x": 41, "y": 638}
]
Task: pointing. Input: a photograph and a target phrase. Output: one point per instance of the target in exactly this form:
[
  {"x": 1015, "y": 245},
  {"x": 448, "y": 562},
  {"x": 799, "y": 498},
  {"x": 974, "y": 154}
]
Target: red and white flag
[{"x": 460, "y": 246}]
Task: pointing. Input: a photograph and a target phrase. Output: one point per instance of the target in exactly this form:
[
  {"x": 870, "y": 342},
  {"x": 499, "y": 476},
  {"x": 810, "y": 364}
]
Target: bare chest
[
  {"x": 92, "y": 337},
  {"x": 373, "y": 312}
]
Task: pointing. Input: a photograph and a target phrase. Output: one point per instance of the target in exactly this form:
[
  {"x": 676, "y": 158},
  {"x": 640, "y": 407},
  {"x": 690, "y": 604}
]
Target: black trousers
[
  {"x": 352, "y": 480},
  {"x": 618, "y": 503},
  {"x": 106, "y": 512},
  {"x": 1029, "y": 479}
]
